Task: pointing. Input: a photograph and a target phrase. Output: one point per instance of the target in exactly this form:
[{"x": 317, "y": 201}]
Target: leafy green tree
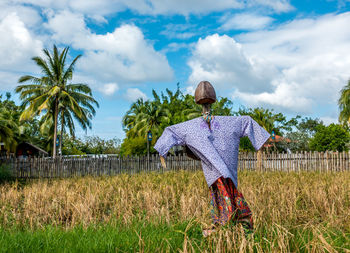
[
  {"x": 7, "y": 129},
  {"x": 136, "y": 146},
  {"x": 97, "y": 145},
  {"x": 89, "y": 145},
  {"x": 22, "y": 131},
  {"x": 143, "y": 117},
  {"x": 333, "y": 137},
  {"x": 302, "y": 135},
  {"x": 52, "y": 95}
]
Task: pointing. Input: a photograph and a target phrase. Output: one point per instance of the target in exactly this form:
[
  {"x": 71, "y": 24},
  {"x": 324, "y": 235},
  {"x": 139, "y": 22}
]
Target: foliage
[
  {"x": 344, "y": 105},
  {"x": 16, "y": 131},
  {"x": 51, "y": 95},
  {"x": 89, "y": 145},
  {"x": 246, "y": 145},
  {"x": 7, "y": 129},
  {"x": 145, "y": 116},
  {"x": 136, "y": 146},
  {"x": 97, "y": 145},
  {"x": 5, "y": 173},
  {"x": 300, "y": 138},
  {"x": 333, "y": 137}
]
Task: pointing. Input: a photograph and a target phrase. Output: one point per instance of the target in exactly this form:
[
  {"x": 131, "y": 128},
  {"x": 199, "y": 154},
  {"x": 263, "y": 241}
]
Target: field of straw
[{"x": 293, "y": 212}]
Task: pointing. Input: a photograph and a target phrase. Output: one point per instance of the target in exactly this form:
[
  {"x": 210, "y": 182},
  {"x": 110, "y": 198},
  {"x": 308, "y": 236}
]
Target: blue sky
[{"x": 290, "y": 56}]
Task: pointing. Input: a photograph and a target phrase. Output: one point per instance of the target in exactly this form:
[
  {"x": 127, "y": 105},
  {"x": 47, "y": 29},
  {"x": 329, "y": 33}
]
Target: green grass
[
  {"x": 145, "y": 236},
  {"x": 137, "y": 236}
]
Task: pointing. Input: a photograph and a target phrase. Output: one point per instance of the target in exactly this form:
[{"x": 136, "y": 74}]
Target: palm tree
[
  {"x": 344, "y": 104},
  {"x": 129, "y": 119},
  {"x": 52, "y": 95},
  {"x": 8, "y": 128},
  {"x": 145, "y": 116}
]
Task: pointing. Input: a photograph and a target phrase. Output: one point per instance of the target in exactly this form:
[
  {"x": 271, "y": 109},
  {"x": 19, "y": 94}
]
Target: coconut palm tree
[
  {"x": 145, "y": 116},
  {"x": 52, "y": 95},
  {"x": 8, "y": 128},
  {"x": 344, "y": 104},
  {"x": 129, "y": 119}
]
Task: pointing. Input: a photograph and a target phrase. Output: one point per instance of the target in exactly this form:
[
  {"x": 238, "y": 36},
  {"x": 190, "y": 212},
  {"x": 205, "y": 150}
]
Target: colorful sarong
[{"x": 228, "y": 205}]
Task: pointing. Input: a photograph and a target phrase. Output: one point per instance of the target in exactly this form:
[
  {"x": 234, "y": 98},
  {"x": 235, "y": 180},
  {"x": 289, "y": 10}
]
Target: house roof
[
  {"x": 278, "y": 138},
  {"x": 36, "y": 147}
]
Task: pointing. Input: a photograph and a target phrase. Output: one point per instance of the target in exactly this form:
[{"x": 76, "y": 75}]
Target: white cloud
[
  {"x": 8, "y": 80},
  {"x": 179, "y": 31},
  {"x": 123, "y": 56},
  {"x": 286, "y": 96},
  {"x": 109, "y": 89},
  {"x": 174, "y": 47},
  {"x": 298, "y": 67},
  {"x": 67, "y": 27},
  {"x": 222, "y": 61},
  {"x": 17, "y": 43},
  {"x": 132, "y": 94},
  {"x": 29, "y": 16},
  {"x": 276, "y": 5},
  {"x": 329, "y": 120},
  {"x": 245, "y": 21}
]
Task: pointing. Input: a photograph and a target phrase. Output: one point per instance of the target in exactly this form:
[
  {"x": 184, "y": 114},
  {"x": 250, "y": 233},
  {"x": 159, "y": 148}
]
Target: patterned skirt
[{"x": 228, "y": 205}]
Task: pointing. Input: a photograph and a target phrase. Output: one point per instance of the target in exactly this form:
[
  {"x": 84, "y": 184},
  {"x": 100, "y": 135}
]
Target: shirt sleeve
[
  {"x": 256, "y": 134},
  {"x": 167, "y": 140}
]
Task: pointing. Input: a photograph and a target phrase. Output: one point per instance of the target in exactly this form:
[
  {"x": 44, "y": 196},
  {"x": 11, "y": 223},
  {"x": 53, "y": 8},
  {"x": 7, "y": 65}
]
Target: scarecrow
[{"x": 215, "y": 141}]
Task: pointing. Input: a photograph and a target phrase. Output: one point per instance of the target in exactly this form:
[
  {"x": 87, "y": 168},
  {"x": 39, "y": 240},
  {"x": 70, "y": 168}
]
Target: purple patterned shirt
[{"x": 216, "y": 147}]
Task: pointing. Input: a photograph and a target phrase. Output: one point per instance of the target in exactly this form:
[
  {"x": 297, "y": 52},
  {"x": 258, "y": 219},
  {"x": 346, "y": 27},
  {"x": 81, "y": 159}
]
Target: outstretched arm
[{"x": 170, "y": 137}]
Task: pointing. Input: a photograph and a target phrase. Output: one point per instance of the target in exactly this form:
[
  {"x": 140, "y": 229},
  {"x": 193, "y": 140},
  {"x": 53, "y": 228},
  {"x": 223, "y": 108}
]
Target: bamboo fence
[{"x": 112, "y": 165}]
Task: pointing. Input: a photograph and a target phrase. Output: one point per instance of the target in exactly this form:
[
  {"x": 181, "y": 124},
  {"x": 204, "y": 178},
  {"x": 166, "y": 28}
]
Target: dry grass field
[{"x": 293, "y": 212}]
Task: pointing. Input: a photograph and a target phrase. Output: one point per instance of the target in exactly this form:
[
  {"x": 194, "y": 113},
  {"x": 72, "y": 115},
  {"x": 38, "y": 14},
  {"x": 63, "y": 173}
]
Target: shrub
[{"x": 5, "y": 173}]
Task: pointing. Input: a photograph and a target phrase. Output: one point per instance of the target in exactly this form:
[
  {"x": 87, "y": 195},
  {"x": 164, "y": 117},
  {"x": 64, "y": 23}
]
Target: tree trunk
[
  {"x": 55, "y": 129},
  {"x": 62, "y": 129}
]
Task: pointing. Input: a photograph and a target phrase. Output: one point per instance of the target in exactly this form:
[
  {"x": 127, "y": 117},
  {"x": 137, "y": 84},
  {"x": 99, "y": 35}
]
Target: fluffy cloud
[
  {"x": 17, "y": 47},
  {"x": 245, "y": 21},
  {"x": 132, "y": 94},
  {"x": 17, "y": 43},
  {"x": 221, "y": 60},
  {"x": 299, "y": 67},
  {"x": 29, "y": 16},
  {"x": 123, "y": 56}
]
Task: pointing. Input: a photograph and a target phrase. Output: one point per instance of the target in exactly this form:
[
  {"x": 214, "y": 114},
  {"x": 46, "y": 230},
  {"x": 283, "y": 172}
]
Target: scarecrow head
[{"x": 205, "y": 93}]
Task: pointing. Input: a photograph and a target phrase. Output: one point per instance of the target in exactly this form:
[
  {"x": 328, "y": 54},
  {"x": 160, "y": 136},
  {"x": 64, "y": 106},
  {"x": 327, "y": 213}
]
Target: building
[
  {"x": 271, "y": 143},
  {"x": 24, "y": 150}
]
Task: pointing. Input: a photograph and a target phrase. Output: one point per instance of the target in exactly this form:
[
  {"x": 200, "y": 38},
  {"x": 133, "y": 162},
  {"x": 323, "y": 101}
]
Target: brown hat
[{"x": 205, "y": 93}]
